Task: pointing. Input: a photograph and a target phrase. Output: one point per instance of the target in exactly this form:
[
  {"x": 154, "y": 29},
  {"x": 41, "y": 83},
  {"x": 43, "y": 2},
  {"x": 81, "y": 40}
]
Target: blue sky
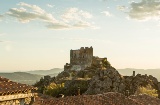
[{"x": 38, "y": 34}]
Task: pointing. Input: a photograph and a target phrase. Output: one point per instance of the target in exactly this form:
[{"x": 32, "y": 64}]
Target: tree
[{"x": 106, "y": 63}]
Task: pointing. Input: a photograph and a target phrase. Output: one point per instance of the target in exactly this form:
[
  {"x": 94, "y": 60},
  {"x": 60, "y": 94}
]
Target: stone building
[
  {"x": 82, "y": 58},
  {"x": 12, "y": 93}
]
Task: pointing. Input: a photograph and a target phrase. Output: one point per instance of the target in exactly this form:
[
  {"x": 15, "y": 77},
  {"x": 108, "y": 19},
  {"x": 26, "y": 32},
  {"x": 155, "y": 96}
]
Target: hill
[
  {"x": 129, "y": 72},
  {"x": 51, "y": 72},
  {"x": 30, "y": 77},
  {"x": 22, "y": 77}
]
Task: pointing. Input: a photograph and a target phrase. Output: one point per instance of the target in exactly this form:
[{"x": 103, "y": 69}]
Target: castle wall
[
  {"x": 97, "y": 60},
  {"x": 76, "y": 67},
  {"x": 82, "y": 57}
]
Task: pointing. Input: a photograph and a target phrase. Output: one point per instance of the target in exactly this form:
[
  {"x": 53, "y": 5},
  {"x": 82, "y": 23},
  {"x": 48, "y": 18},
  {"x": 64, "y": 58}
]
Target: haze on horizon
[{"x": 38, "y": 34}]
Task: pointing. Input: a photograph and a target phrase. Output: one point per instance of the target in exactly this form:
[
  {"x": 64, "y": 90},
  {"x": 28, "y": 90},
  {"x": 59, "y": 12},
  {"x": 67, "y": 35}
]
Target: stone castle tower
[
  {"x": 80, "y": 59},
  {"x": 82, "y": 56}
]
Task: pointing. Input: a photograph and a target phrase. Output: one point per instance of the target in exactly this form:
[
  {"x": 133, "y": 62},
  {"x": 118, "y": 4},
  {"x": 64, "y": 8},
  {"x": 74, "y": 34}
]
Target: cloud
[
  {"x": 121, "y": 8},
  {"x": 58, "y": 26},
  {"x": 34, "y": 12},
  {"x": 49, "y": 5},
  {"x": 145, "y": 10},
  {"x": 77, "y": 18},
  {"x": 82, "y": 24},
  {"x": 107, "y": 13},
  {"x": 1, "y": 16},
  {"x": 5, "y": 41},
  {"x": 71, "y": 18}
]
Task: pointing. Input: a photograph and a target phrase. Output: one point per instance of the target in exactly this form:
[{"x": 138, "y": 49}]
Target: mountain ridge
[
  {"x": 129, "y": 72},
  {"x": 30, "y": 77}
]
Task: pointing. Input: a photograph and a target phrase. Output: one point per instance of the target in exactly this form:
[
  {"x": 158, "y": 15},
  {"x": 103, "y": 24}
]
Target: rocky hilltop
[
  {"x": 99, "y": 77},
  {"x": 107, "y": 80}
]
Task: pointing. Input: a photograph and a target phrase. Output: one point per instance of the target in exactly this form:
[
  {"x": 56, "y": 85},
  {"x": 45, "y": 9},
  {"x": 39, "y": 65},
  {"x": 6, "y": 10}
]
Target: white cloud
[
  {"x": 58, "y": 26},
  {"x": 34, "y": 8},
  {"x": 75, "y": 14},
  {"x": 72, "y": 18},
  {"x": 77, "y": 18},
  {"x": 82, "y": 24},
  {"x": 107, "y": 13},
  {"x": 34, "y": 12},
  {"x": 49, "y": 5},
  {"x": 145, "y": 10}
]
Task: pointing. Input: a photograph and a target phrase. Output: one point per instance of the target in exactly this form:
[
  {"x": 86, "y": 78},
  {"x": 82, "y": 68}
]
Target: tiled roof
[
  {"x": 7, "y": 86},
  {"x": 110, "y": 98}
]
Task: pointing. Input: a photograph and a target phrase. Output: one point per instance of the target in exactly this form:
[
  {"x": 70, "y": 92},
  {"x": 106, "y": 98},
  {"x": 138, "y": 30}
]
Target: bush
[
  {"x": 106, "y": 63},
  {"x": 147, "y": 90},
  {"x": 54, "y": 89}
]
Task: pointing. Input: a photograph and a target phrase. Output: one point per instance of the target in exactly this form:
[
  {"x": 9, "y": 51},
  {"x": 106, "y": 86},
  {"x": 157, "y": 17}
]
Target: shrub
[
  {"x": 54, "y": 89},
  {"x": 147, "y": 90}
]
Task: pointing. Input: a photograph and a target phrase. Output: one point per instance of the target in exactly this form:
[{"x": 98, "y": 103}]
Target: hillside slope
[
  {"x": 22, "y": 77},
  {"x": 54, "y": 71}
]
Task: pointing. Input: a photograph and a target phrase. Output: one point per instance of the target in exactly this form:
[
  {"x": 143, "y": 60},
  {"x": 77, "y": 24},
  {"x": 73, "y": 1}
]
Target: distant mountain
[
  {"x": 30, "y": 77},
  {"x": 52, "y": 72},
  {"x": 22, "y": 77},
  {"x": 129, "y": 72}
]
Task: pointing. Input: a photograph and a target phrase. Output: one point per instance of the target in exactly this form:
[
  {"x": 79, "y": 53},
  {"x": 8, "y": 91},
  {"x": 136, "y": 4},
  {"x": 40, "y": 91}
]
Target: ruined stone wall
[{"x": 98, "y": 61}]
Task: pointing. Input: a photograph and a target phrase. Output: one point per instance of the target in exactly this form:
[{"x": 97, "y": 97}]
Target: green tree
[{"x": 106, "y": 63}]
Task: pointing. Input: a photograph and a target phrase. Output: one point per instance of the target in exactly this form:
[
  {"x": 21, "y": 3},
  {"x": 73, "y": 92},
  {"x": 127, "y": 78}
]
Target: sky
[{"x": 39, "y": 34}]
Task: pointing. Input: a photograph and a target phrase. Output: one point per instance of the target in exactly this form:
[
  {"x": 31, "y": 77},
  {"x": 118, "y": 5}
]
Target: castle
[{"x": 82, "y": 58}]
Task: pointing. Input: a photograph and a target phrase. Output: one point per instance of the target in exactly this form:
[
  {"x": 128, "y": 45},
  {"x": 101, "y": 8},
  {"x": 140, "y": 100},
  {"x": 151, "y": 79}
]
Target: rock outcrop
[
  {"x": 132, "y": 83},
  {"x": 108, "y": 80}
]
